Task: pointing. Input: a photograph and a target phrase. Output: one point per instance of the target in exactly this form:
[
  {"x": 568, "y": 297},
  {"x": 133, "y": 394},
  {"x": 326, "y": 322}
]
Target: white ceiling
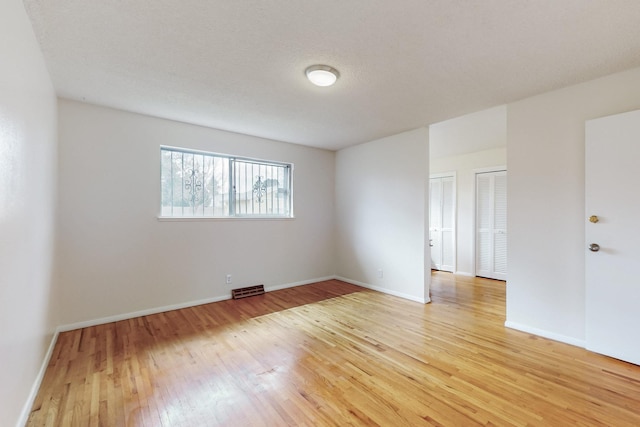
[{"x": 239, "y": 65}]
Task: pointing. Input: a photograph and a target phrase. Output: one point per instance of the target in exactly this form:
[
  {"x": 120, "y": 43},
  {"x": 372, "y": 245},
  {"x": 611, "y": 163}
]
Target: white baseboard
[
  {"x": 294, "y": 284},
  {"x": 26, "y": 409},
  {"x": 155, "y": 310},
  {"x": 546, "y": 334},
  {"x": 464, "y": 273},
  {"x": 134, "y": 314},
  {"x": 385, "y": 290}
]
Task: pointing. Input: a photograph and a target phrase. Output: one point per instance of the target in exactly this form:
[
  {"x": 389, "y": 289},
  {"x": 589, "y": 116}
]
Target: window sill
[{"x": 221, "y": 218}]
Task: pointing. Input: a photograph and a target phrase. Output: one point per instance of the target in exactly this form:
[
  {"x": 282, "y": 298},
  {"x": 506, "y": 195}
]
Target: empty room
[{"x": 266, "y": 213}]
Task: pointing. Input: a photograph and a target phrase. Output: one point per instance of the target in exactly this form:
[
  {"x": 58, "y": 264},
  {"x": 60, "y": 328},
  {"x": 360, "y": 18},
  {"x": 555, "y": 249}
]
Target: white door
[
  {"x": 612, "y": 195},
  {"x": 442, "y": 222},
  {"x": 491, "y": 225}
]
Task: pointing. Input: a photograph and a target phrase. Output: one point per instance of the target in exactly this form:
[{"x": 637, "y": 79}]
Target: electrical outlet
[
  {"x": 380, "y": 273},
  {"x": 228, "y": 279}
]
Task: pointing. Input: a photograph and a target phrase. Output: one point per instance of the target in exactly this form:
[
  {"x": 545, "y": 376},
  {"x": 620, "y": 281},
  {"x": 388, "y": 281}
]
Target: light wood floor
[{"x": 333, "y": 354}]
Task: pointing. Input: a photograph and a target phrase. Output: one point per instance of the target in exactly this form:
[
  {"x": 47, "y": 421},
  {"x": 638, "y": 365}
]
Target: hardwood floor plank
[{"x": 333, "y": 354}]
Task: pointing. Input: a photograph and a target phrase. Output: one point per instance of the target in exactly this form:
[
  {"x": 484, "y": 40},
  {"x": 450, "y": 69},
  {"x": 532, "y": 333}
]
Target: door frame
[
  {"x": 454, "y": 175},
  {"x": 476, "y": 172}
]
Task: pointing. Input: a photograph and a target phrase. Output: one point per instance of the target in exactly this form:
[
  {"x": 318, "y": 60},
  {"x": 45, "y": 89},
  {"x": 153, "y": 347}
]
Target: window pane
[
  {"x": 221, "y": 186},
  {"x": 166, "y": 183},
  {"x": 195, "y": 184},
  {"x": 262, "y": 189}
]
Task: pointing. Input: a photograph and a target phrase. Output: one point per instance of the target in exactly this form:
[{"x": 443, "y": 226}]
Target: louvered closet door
[
  {"x": 442, "y": 222},
  {"x": 491, "y": 225}
]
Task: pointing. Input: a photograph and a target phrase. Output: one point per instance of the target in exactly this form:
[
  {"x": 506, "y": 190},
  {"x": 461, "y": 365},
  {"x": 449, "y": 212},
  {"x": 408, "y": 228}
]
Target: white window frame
[{"x": 231, "y": 213}]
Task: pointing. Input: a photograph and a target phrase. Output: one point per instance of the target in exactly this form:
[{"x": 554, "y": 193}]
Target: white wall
[
  {"x": 546, "y": 289},
  {"x": 27, "y": 200},
  {"x": 382, "y": 206},
  {"x": 465, "y": 165},
  {"x": 479, "y": 131},
  {"x": 115, "y": 256}
]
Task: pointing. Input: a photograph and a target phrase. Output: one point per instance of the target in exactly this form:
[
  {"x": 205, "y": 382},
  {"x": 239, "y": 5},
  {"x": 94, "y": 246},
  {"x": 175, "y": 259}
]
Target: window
[{"x": 199, "y": 184}]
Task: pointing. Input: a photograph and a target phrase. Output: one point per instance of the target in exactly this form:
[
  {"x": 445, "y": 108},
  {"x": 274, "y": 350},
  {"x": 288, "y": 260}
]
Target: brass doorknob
[{"x": 594, "y": 219}]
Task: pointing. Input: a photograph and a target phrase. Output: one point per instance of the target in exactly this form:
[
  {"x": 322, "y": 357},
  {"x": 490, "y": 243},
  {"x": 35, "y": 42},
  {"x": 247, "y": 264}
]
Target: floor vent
[{"x": 247, "y": 292}]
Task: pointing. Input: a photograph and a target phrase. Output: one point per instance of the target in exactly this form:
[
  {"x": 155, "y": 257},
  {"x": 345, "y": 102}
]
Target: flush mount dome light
[{"x": 322, "y": 75}]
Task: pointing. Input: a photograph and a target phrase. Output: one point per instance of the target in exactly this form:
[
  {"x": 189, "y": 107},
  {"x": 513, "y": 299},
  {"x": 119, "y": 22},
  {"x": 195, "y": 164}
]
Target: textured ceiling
[{"x": 239, "y": 65}]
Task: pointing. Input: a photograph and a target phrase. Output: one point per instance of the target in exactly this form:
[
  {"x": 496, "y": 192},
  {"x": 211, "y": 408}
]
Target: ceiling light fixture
[{"x": 322, "y": 75}]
